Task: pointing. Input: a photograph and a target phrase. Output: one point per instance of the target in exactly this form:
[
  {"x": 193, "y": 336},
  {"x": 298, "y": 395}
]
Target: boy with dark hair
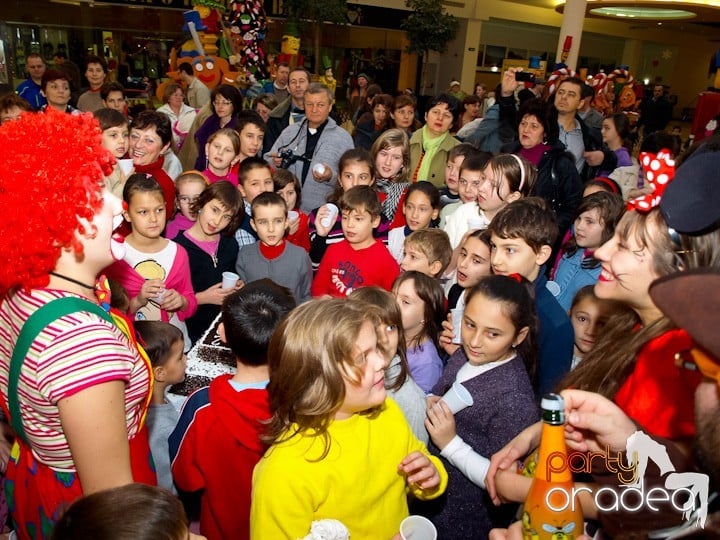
[
  {"x": 115, "y": 138},
  {"x": 456, "y": 156},
  {"x": 254, "y": 178},
  {"x": 522, "y": 236},
  {"x": 464, "y": 172},
  {"x": 359, "y": 260},
  {"x": 113, "y": 97},
  {"x": 272, "y": 256},
  {"x": 216, "y": 443},
  {"x": 427, "y": 251}
]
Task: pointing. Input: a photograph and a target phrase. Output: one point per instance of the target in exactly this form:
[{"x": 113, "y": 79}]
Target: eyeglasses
[
  {"x": 696, "y": 359},
  {"x": 219, "y": 102}
]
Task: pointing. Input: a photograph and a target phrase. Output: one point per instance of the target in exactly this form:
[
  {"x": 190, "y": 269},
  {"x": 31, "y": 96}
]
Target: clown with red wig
[{"x": 73, "y": 385}]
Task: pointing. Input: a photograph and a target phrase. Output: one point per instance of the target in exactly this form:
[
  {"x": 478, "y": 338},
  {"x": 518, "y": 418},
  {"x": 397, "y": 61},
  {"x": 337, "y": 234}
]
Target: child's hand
[
  {"x": 172, "y": 301},
  {"x": 419, "y": 470},
  {"x": 447, "y": 335},
  {"x": 508, "y": 456},
  {"x": 324, "y": 212},
  {"x": 440, "y": 423},
  {"x": 150, "y": 290},
  {"x": 214, "y": 295},
  {"x": 293, "y": 225}
]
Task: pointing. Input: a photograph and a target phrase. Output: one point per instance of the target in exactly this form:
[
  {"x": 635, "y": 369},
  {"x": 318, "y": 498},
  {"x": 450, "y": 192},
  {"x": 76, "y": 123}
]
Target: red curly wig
[{"x": 51, "y": 175}]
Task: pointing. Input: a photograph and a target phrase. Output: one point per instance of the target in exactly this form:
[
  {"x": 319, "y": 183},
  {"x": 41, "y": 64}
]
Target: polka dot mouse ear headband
[{"x": 659, "y": 170}]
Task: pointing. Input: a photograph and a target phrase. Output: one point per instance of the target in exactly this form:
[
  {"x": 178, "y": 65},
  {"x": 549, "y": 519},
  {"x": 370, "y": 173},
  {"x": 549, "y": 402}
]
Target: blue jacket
[
  {"x": 556, "y": 338},
  {"x": 30, "y": 92},
  {"x": 571, "y": 277}
]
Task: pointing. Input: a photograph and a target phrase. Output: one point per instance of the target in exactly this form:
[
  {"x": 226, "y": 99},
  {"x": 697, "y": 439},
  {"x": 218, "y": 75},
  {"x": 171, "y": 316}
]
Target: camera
[
  {"x": 288, "y": 158},
  {"x": 524, "y": 76}
]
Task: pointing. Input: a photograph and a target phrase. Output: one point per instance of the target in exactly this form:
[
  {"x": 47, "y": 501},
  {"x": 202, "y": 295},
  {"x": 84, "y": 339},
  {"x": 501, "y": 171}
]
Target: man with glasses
[
  {"x": 290, "y": 111},
  {"x": 311, "y": 148}
]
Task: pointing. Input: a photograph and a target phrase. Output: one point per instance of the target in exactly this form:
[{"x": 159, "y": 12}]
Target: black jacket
[
  {"x": 565, "y": 193},
  {"x": 205, "y": 274},
  {"x": 592, "y": 138}
]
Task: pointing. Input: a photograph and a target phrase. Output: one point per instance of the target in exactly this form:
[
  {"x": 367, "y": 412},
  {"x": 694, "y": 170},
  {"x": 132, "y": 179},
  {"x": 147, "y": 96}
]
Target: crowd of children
[
  {"x": 350, "y": 322},
  {"x": 511, "y": 336}
]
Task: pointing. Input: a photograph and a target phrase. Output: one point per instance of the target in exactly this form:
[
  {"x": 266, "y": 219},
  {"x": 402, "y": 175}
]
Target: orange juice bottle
[{"x": 550, "y": 512}]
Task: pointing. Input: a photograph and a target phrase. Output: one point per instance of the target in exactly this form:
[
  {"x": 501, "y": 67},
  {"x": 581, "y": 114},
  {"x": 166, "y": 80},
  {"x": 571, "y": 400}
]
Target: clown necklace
[{"x": 75, "y": 281}]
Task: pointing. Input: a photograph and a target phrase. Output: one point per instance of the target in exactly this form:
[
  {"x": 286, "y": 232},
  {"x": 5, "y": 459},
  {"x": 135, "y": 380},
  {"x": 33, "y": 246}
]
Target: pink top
[
  {"x": 177, "y": 224},
  {"x": 73, "y": 353},
  {"x": 231, "y": 176}
]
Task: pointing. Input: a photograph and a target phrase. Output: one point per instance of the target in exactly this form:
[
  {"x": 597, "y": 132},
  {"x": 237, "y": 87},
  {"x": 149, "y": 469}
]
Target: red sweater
[
  {"x": 301, "y": 237},
  {"x": 214, "y": 448},
  {"x": 166, "y": 183},
  {"x": 658, "y": 395},
  {"x": 344, "y": 269}
]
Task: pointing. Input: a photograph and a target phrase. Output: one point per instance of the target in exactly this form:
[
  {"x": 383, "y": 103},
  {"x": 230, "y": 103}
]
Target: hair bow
[
  {"x": 516, "y": 277},
  {"x": 659, "y": 170}
]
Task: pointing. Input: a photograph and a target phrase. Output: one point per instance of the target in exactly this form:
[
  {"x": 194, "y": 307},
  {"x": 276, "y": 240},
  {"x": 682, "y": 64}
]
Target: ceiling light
[{"x": 643, "y": 13}]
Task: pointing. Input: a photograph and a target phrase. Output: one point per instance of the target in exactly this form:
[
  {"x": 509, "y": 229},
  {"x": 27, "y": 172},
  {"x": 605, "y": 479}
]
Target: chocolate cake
[{"x": 208, "y": 358}]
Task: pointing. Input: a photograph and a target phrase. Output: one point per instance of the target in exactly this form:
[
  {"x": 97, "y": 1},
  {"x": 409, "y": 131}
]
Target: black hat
[{"x": 691, "y": 202}]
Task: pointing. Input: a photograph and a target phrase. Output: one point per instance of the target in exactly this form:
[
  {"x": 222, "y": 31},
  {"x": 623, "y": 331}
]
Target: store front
[{"x": 136, "y": 38}]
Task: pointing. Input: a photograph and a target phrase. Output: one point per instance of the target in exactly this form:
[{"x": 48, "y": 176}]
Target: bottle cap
[{"x": 552, "y": 402}]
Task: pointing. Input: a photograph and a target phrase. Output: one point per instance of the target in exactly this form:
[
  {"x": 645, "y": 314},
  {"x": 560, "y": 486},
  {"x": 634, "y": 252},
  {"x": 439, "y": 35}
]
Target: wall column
[
  {"x": 631, "y": 55},
  {"x": 572, "y": 25},
  {"x": 470, "y": 55}
]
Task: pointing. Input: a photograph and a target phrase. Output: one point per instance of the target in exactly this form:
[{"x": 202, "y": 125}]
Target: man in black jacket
[
  {"x": 583, "y": 142},
  {"x": 289, "y": 111},
  {"x": 656, "y": 112}
]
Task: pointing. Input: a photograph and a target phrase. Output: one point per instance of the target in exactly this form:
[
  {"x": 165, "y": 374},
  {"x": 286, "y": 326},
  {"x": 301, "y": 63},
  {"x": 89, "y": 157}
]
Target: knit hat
[
  {"x": 454, "y": 83},
  {"x": 364, "y": 76},
  {"x": 691, "y": 203},
  {"x": 690, "y": 300}
]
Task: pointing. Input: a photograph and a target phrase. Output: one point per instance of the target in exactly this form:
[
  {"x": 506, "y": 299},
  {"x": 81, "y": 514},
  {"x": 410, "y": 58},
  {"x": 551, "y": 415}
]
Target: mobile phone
[{"x": 524, "y": 76}]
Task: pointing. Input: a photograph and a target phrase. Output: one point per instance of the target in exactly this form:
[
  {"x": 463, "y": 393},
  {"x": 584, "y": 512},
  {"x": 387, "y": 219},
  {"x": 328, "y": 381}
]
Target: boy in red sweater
[
  {"x": 360, "y": 260},
  {"x": 216, "y": 444}
]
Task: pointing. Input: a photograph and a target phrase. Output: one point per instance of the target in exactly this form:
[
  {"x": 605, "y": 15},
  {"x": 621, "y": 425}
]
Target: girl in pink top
[{"x": 222, "y": 151}]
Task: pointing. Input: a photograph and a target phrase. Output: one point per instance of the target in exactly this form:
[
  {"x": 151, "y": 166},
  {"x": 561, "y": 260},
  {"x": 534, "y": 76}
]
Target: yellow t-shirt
[{"x": 357, "y": 483}]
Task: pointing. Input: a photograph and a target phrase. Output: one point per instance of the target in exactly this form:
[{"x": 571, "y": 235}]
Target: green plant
[
  {"x": 316, "y": 12},
  {"x": 428, "y": 28}
]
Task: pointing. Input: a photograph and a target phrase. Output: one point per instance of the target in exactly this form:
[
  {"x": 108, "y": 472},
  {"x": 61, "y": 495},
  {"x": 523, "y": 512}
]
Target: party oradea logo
[{"x": 686, "y": 492}]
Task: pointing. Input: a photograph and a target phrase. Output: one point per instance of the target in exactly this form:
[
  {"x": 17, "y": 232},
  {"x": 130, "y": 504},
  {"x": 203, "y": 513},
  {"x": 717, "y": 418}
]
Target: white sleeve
[{"x": 468, "y": 461}]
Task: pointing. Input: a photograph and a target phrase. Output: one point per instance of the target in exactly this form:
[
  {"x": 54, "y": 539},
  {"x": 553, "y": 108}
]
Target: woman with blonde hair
[{"x": 180, "y": 114}]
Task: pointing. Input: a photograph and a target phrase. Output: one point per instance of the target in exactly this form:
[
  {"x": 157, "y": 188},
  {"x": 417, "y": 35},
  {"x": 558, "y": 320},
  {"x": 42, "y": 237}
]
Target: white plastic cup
[
  {"x": 417, "y": 528},
  {"x": 126, "y": 165},
  {"x": 293, "y": 215},
  {"x": 327, "y": 221},
  {"x": 229, "y": 280},
  {"x": 457, "y": 315},
  {"x": 457, "y": 398}
]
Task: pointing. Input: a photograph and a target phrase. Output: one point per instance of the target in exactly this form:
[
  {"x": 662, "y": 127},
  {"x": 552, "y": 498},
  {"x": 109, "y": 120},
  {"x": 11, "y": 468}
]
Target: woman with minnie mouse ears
[
  {"x": 633, "y": 361},
  {"x": 73, "y": 385}
]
